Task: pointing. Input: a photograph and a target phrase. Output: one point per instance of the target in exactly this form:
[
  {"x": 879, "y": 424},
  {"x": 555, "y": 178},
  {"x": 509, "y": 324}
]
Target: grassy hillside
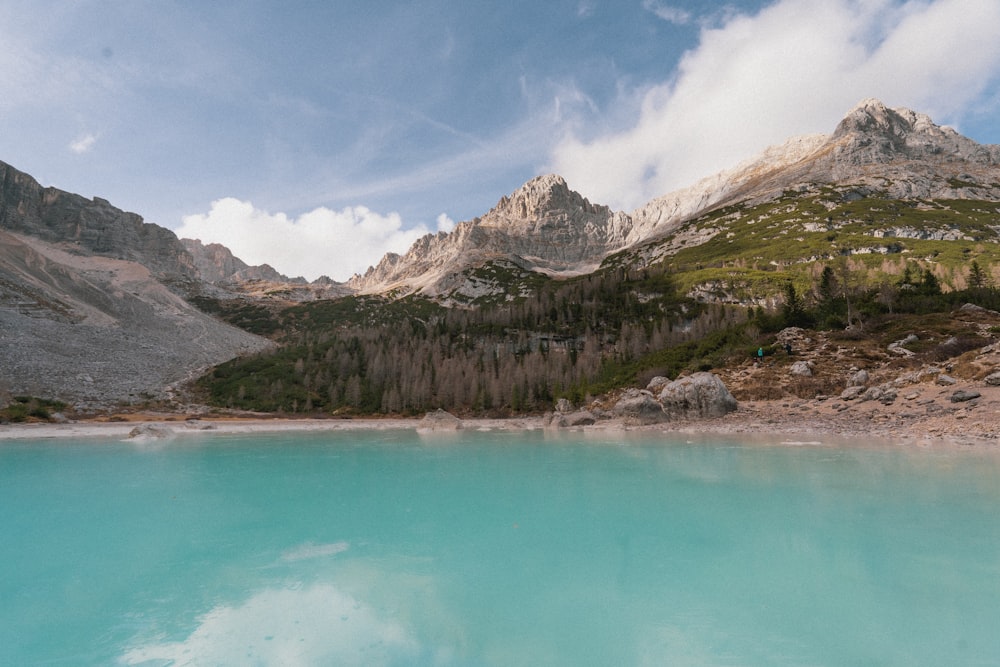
[{"x": 753, "y": 250}]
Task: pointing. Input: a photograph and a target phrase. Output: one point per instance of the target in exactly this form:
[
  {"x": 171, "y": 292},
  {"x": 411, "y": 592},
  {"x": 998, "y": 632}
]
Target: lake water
[{"x": 502, "y": 548}]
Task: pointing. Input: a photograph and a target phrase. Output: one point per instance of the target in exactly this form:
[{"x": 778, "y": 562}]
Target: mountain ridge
[{"x": 892, "y": 150}]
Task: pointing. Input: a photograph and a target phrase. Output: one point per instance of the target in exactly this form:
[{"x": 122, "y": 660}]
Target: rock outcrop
[
  {"x": 91, "y": 226},
  {"x": 697, "y": 396},
  {"x": 639, "y": 406}
]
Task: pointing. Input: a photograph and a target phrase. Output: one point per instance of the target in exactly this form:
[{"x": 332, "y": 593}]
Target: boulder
[
  {"x": 639, "y": 406},
  {"x": 945, "y": 380},
  {"x": 993, "y": 379},
  {"x": 963, "y": 395},
  {"x": 439, "y": 420},
  {"x": 657, "y": 384},
  {"x": 859, "y": 379},
  {"x": 802, "y": 368},
  {"x": 579, "y": 418},
  {"x": 563, "y": 406},
  {"x": 851, "y": 393},
  {"x": 697, "y": 396}
]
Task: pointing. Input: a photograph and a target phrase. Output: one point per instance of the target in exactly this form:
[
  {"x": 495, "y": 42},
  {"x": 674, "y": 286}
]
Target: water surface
[{"x": 388, "y": 548}]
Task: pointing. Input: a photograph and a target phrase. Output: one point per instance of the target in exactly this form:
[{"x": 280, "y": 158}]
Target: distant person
[
  {"x": 788, "y": 349},
  {"x": 760, "y": 353}
]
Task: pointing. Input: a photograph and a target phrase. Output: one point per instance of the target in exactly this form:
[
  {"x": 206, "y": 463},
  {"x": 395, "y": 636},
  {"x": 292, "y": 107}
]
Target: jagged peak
[
  {"x": 541, "y": 195},
  {"x": 871, "y": 116}
]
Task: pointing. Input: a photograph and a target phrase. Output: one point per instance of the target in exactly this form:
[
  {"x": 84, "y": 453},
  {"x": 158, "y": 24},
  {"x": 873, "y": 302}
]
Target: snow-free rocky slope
[
  {"x": 91, "y": 310},
  {"x": 544, "y": 226}
]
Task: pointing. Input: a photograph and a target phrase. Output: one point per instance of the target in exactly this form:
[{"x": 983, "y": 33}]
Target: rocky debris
[
  {"x": 859, "y": 379},
  {"x": 570, "y": 420},
  {"x": 963, "y": 395},
  {"x": 639, "y": 406},
  {"x": 150, "y": 432},
  {"x": 851, "y": 393},
  {"x": 198, "y": 425},
  {"x": 993, "y": 379},
  {"x": 897, "y": 346},
  {"x": 885, "y": 394},
  {"x": 802, "y": 368},
  {"x": 439, "y": 420},
  {"x": 697, "y": 396},
  {"x": 106, "y": 332}
]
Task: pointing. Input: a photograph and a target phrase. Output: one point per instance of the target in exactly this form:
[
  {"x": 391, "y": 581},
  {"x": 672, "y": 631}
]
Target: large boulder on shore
[
  {"x": 439, "y": 420},
  {"x": 697, "y": 396},
  {"x": 639, "y": 406}
]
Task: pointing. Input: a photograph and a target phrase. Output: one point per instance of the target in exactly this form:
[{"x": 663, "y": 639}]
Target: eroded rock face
[
  {"x": 697, "y": 396},
  {"x": 93, "y": 225}
]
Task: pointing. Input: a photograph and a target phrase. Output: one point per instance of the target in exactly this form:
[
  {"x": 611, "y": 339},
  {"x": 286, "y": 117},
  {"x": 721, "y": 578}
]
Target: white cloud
[
  {"x": 319, "y": 242},
  {"x": 793, "y": 68},
  {"x": 674, "y": 15},
  {"x": 445, "y": 224},
  {"x": 83, "y": 143}
]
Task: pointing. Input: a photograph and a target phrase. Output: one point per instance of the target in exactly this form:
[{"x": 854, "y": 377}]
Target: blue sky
[{"x": 316, "y": 136}]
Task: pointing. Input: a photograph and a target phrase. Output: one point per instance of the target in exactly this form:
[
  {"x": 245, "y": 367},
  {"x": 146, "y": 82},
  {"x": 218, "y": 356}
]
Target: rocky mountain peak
[
  {"x": 874, "y": 133},
  {"x": 542, "y": 196}
]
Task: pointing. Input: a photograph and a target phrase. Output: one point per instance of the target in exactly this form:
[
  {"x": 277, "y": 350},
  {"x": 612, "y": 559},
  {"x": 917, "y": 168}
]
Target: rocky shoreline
[{"x": 926, "y": 415}]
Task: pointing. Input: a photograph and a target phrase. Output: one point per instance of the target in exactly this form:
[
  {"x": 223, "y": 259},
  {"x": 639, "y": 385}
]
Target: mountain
[
  {"x": 98, "y": 306},
  {"x": 895, "y": 151},
  {"x": 547, "y": 228},
  {"x": 543, "y": 227},
  {"x": 92, "y": 307}
]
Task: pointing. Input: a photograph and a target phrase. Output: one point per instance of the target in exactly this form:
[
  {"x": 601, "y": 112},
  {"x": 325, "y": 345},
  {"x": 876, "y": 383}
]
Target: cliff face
[
  {"x": 215, "y": 263},
  {"x": 94, "y": 226}
]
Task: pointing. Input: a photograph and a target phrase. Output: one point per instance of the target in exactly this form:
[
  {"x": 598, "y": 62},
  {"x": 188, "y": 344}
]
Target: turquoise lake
[{"x": 496, "y": 548}]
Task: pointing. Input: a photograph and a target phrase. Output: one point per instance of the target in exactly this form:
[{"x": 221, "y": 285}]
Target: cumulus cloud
[
  {"x": 445, "y": 224},
  {"x": 320, "y": 242},
  {"x": 794, "y": 67},
  {"x": 83, "y": 143}
]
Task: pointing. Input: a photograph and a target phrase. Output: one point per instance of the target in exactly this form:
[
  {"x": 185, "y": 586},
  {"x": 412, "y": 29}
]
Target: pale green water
[{"x": 496, "y": 549}]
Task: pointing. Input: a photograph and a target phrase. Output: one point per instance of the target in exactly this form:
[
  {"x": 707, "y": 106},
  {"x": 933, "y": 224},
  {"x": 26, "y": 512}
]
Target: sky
[{"x": 317, "y": 136}]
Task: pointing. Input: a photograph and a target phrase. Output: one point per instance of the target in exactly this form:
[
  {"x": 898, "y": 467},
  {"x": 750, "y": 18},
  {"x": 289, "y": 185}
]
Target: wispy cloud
[
  {"x": 668, "y": 13},
  {"x": 793, "y": 68}
]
